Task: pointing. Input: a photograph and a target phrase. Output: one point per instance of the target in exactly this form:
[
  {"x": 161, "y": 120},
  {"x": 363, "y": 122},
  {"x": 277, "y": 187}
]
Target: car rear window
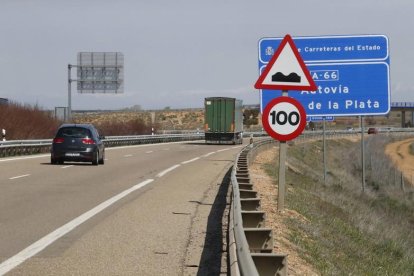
[{"x": 74, "y": 132}]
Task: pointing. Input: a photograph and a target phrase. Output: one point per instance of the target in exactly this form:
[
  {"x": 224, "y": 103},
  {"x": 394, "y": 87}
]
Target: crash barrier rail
[
  {"x": 251, "y": 243},
  {"x": 25, "y": 147}
]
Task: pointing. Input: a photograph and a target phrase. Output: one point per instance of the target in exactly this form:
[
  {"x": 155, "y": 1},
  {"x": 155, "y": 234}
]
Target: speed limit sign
[{"x": 284, "y": 118}]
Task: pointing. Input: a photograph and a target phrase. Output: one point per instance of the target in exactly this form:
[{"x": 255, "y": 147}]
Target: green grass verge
[{"x": 348, "y": 232}]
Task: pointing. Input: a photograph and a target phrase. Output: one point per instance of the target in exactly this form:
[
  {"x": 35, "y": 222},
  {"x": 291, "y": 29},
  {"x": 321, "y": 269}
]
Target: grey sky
[{"x": 179, "y": 52}]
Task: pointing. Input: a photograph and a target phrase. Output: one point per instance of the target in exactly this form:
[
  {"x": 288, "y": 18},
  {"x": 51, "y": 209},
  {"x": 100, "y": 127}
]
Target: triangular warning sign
[{"x": 286, "y": 70}]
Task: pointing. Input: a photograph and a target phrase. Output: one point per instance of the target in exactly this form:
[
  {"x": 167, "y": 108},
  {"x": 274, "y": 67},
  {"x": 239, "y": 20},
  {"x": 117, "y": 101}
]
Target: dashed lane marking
[
  {"x": 161, "y": 174},
  {"x": 189, "y": 161},
  {"x": 19, "y": 176}
]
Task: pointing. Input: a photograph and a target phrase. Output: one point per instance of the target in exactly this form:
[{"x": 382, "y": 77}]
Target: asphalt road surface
[{"x": 150, "y": 210}]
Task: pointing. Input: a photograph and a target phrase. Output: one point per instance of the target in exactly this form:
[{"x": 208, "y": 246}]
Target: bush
[
  {"x": 27, "y": 122},
  {"x": 116, "y": 128}
]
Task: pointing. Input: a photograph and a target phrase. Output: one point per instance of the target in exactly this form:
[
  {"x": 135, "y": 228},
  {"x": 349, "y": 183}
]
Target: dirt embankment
[
  {"x": 399, "y": 152},
  {"x": 267, "y": 191}
]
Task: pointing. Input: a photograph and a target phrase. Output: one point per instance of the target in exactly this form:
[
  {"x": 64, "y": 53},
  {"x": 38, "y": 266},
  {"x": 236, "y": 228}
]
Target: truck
[{"x": 223, "y": 120}]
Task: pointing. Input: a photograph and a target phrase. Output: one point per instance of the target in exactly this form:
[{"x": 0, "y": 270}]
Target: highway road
[{"x": 145, "y": 212}]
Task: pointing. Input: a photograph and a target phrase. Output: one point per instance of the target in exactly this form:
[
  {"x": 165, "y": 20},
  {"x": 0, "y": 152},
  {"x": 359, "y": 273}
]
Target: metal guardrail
[
  {"x": 25, "y": 147},
  {"x": 251, "y": 243}
]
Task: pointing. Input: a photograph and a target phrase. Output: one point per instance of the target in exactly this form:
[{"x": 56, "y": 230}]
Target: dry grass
[{"x": 350, "y": 232}]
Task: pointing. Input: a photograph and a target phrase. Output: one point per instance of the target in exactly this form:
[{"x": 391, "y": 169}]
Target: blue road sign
[{"x": 351, "y": 74}]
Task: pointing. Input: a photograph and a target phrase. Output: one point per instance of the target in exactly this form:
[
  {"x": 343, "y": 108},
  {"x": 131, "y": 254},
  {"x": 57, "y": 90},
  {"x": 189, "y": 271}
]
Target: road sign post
[
  {"x": 284, "y": 118},
  {"x": 97, "y": 72},
  {"x": 282, "y": 171}
]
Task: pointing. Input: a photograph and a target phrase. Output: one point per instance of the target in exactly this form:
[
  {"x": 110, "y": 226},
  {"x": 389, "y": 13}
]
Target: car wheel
[
  {"x": 53, "y": 161},
  {"x": 95, "y": 160},
  {"x": 102, "y": 160}
]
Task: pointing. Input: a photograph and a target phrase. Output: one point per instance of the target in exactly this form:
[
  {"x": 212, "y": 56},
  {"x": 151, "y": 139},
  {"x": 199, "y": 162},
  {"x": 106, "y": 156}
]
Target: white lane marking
[
  {"x": 189, "y": 161},
  {"x": 150, "y": 145},
  {"x": 229, "y": 148},
  {"x": 161, "y": 174},
  {"x": 68, "y": 166},
  {"x": 19, "y": 176},
  {"x": 41, "y": 244},
  {"x": 128, "y": 155},
  {"x": 150, "y": 151},
  {"x": 23, "y": 158},
  {"x": 208, "y": 154}
]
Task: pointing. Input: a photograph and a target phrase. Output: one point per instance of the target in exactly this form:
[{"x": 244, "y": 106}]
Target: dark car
[
  {"x": 372, "y": 130},
  {"x": 77, "y": 142}
]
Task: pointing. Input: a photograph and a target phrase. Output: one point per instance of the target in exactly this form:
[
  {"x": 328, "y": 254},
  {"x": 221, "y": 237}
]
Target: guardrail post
[
  {"x": 250, "y": 204},
  {"x": 259, "y": 240},
  {"x": 253, "y": 219},
  {"x": 270, "y": 264}
]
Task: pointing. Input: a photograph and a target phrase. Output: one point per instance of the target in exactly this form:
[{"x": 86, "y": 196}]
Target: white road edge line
[
  {"x": 20, "y": 176},
  {"x": 208, "y": 154},
  {"x": 189, "y": 161},
  {"x": 161, "y": 174},
  {"x": 65, "y": 167},
  {"x": 41, "y": 244}
]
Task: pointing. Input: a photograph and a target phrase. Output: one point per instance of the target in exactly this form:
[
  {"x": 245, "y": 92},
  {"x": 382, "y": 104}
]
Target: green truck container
[{"x": 223, "y": 120}]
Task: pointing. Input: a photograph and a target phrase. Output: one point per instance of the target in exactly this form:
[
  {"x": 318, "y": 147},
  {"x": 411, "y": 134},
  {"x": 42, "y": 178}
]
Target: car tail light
[
  {"x": 88, "y": 141},
  {"x": 58, "y": 140}
]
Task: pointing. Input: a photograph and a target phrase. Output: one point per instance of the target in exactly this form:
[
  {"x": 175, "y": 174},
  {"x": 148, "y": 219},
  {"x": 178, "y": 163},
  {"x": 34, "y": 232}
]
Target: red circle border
[{"x": 268, "y": 128}]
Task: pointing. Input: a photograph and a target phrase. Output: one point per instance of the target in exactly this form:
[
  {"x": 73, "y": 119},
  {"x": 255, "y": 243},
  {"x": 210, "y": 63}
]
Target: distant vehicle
[
  {"x": 223, "y": 120},
  {"x": 79, "y": 143},
  {"x": 372, "y": 130},
  {"x": 4, "y": 101}
]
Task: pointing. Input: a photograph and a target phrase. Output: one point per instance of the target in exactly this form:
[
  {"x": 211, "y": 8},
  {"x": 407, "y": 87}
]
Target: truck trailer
[{"x": 223, "y": 120}]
